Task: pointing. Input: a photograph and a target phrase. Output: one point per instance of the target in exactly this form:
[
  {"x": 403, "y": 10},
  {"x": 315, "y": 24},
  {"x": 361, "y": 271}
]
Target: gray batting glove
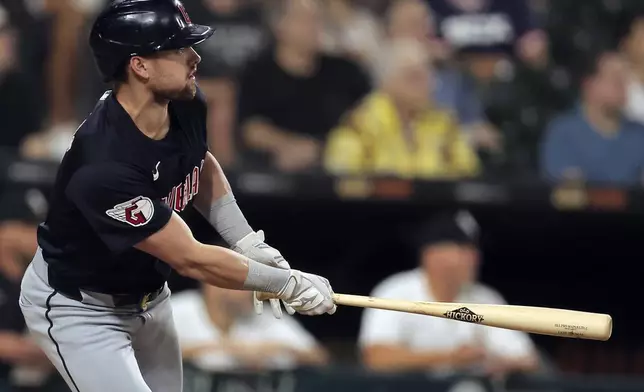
[
  {"x": 308, "y": 294},
  {"x": 254, "y": 247}
]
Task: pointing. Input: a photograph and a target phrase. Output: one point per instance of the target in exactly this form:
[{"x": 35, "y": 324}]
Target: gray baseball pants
[{"x": 97, "y": 346}]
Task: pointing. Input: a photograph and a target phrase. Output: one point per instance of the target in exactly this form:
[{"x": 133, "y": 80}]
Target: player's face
[{"x": 172, "y": 74}]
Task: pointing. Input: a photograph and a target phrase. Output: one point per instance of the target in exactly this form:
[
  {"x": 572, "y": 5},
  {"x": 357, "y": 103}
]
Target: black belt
[
  {"x": 139, "y": 299},
  {"x": 130, "y": 299}
]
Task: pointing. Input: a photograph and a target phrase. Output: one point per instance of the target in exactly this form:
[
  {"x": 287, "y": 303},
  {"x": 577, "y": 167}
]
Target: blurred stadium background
[{"x": 485, "y": 150}]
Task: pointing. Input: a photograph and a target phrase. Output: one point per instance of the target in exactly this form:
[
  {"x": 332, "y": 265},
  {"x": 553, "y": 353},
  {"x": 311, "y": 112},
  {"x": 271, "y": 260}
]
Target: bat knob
[{"x": 264, "y": 296}]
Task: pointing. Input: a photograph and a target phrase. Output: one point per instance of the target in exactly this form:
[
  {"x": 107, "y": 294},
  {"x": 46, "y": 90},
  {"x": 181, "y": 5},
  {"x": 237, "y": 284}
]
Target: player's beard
[{"x": 187, "y": 93}]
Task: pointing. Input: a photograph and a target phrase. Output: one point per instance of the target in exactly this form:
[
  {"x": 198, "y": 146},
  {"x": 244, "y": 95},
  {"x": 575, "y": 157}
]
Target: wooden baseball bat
[{"x": 537, "y": 320}]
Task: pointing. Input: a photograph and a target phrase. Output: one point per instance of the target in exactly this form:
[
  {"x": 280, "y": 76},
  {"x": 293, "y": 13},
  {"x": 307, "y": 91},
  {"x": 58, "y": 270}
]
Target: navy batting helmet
[{"x": 127, "y": 28}]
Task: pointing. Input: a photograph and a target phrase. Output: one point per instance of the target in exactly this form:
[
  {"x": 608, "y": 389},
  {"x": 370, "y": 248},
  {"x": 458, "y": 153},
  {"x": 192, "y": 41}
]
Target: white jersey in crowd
[
  {"x": 194, "y": 327},
  {"x": 425, "y": 333}
]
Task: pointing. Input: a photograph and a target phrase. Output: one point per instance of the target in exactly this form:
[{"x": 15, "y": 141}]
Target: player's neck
[{"x": 149, "y": 115}]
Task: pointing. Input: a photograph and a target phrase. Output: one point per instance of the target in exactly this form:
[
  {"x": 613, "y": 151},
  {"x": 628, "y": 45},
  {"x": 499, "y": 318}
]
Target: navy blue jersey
[
  {"x": 116, "y": 187},
  {"x": 482, "y": 26}
]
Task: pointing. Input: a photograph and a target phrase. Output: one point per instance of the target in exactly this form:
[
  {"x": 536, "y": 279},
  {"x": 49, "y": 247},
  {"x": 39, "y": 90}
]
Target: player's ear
[{"x": 140, "y": 67}]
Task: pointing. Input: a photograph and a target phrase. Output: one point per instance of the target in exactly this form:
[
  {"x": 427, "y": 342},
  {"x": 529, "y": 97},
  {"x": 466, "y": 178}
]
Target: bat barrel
[{"x": 536, "y": 320}]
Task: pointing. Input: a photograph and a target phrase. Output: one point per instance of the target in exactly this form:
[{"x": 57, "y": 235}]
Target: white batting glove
[
  {"x": 254, "y": 247},
  {"x": 308, "y": 294}
]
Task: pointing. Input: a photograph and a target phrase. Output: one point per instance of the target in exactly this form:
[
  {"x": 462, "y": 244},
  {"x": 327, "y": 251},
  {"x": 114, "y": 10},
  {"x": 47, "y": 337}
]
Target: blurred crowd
[{"x": 429, "y": 89}]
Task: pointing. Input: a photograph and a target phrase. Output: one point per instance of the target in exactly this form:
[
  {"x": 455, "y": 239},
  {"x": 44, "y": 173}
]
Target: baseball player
[{"x": 95, "y": 294}]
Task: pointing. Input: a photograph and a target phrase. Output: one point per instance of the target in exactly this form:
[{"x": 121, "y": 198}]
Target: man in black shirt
[
  {"x": 95, "y": 294},
  {"x": 292, "y": 95},
  {"x": 23, "y": 208}
]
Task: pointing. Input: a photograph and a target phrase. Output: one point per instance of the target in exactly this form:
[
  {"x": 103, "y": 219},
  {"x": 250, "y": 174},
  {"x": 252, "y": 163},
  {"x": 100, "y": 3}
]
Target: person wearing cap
[
  {"x": 449, "y": 259},
  {"x": 95, "y": 296}
]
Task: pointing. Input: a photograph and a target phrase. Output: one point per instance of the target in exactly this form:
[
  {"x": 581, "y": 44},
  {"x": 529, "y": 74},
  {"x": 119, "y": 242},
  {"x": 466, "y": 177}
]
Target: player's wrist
[
  {"x": 266, "y": 279},
  {"x": 246, "y": 243}
]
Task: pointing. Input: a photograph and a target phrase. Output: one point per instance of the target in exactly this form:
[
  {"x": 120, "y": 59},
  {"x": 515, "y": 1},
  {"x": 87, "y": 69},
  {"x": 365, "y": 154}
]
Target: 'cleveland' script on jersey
[{"x": 181, "y": 194}]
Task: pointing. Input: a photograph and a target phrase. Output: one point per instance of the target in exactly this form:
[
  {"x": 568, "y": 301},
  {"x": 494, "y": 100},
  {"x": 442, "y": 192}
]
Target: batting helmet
[{"x": 127, "y": 28}]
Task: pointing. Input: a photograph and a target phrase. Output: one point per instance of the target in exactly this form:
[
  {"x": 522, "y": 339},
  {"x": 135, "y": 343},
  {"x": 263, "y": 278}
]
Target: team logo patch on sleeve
[{"x": 135, "y": 212}]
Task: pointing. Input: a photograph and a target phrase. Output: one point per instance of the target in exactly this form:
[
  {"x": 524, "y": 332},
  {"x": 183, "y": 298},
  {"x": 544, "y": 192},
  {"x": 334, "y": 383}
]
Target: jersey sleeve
[{"x": 118, "y": 203}]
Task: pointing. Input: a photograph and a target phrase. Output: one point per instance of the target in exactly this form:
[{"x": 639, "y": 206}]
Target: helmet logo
[{"x": 184, "y": 13}]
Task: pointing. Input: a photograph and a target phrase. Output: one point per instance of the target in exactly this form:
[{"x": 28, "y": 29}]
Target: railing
[
  {"x": 475, "y": 192},
  {"x": 356, "y": 380},
  {"x": 351, "y": 379}
]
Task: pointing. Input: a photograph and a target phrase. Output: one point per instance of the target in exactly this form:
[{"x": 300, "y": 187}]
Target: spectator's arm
[
  {"x": 17, "y": 246},
  {"x": 220, "y": 98},
  {"x": 18, "y": 350},
  {"x": 345, "y": 152},
  {"x": 313, "y": 356},
  {"x": 387, "y": 357},
  {"x": 260, "y": 134},
  {"x": 190, "y": 351},
  {"x": 510, "y": 351},
  {"x": 300, "y": 343},
  {"x": 68, "y": 24},
  {"x": 557, "y": 160}
]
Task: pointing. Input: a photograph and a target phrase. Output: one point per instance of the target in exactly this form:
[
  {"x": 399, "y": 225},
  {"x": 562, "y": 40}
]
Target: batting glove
[
  {"x": 254, "y": 247},
  {"x": 308, "y": 294}
]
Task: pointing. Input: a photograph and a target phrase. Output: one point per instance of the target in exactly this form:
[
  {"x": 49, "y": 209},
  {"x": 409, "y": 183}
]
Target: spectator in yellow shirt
[{"x": 397, "y": 130}]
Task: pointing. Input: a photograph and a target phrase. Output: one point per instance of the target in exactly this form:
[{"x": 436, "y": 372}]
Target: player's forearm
[
  {"x": 217, "y": 203},
  {"x": 213, "y": 184},
  {"x": 392, "y": 358},
  {"x": 224, "y": 268}
]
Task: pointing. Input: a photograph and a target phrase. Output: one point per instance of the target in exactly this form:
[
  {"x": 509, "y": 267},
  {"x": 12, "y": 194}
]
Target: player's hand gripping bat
[{"x": 537, "y": 320}]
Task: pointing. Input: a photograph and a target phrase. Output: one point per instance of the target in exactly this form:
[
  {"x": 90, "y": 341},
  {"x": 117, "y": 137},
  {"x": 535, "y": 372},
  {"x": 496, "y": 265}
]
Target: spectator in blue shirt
[{"x": 595, "y": 142}]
